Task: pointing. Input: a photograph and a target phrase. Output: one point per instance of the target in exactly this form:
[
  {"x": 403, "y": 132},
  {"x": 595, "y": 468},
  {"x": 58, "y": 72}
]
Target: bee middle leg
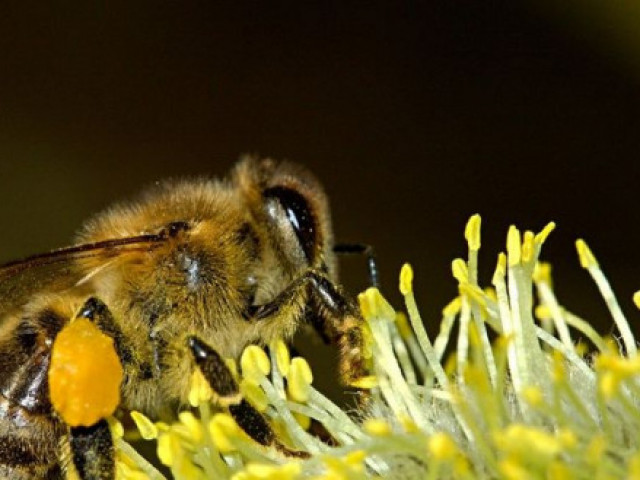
[{"x": 222, "y": 382}]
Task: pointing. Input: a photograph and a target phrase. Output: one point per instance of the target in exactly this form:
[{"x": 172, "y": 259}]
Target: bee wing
[{"x": 59, "y": 269}]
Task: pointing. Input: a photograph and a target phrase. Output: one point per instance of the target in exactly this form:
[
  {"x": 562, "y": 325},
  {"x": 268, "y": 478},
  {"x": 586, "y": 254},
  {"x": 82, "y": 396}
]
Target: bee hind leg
[
  {"x": 92, "y": 447},
  {"x": 222, "y": 382}
]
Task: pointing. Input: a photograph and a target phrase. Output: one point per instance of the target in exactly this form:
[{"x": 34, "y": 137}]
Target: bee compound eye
[{"x": 299, "y": 215}]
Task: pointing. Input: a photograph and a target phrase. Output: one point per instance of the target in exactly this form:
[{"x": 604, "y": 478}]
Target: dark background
[{"x": 414, "y": 115}]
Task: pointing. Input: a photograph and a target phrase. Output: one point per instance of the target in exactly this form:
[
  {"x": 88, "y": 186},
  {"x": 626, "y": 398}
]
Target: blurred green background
[{"x": 415, "y": 115}]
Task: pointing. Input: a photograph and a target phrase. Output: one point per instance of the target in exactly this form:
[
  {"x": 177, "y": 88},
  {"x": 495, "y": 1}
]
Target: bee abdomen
[
  {"x": 29, "y": 443},
  {"x": 30, "y": 432}
]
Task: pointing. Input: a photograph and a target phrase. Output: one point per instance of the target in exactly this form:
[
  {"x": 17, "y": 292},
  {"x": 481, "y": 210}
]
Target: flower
[{"x": 517, "y": 398}]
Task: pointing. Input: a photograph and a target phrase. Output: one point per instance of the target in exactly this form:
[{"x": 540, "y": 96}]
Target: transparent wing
[{"x": 60, "y": 269}]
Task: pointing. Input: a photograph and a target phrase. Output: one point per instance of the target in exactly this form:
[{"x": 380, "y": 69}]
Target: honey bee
[{"x": 190, "y": 273}]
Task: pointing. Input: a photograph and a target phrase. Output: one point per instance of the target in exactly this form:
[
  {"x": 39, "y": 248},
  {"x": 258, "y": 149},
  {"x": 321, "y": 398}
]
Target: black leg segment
[
  {"x": 92, "y": 451},
  {"x": 96, "y": 311},
  {"x": 221, "y": 380},
  {"x": 214, "y": 369}
]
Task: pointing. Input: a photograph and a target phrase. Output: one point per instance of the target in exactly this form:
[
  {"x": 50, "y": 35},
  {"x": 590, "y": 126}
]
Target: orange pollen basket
[{"x": 85, "y": 374}]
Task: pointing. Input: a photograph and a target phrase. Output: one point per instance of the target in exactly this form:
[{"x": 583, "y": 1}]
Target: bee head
[{"x": 292, "y": 205}]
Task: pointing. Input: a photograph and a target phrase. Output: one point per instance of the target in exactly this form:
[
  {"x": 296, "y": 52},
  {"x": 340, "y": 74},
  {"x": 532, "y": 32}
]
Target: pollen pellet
[{"x": 85, "y": 374}]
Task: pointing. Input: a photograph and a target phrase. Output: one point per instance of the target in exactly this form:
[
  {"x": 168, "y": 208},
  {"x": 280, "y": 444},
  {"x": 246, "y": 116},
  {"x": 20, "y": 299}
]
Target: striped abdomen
[{"x": 30, "y": 433}]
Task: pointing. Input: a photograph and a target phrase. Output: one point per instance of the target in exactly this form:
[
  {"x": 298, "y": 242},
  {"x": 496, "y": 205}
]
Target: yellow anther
[
  {"x": 451, "y": 364},
  {"x": 528, "y": 246},
  {"x": 364, "y": 383},
  {"x": 384, "y": 308},
  {"x": 223, "y": 429},
  {"x": 625, "y": 367},
  {"x": 254, "y": 363},
  {"x": 567, "y": 438},
  {"x": 461, "y": 467},
  {"x": 377, "y": 427},
  {"x": 200, "y": 391},
  {"x": 474, "y": 337},
  {"x": 546, "y": 231},
  {"x": 261, "y": 470},
  {"x": 533, "y": 396},
  {"x": 128, "y": 472},
  {"x": 559, "y": 471},
  {"x": 460, "y": 271},
  {"x": 558, "y": 371},
  {"x": 542, "y": 312},
  {"x": 636, "y": 299},
  {"x": 299, "y": 380},
  {"x": 542, "y": 273},
  {"x": 283, "y": 358},
  {"x": 524, "y": 441},
  {"x": 373, "y": 304},
  {"x": 474, "y": 293},
  {"x": 146, "y": 427},
  {"x": 503, "y": 342},
  {"x": 303, "y": 420},
  {"x": 184, "y": 467},
  {"x": 453, "y": 307},
  {"x": 355, "y": 458},
  {"x": 511, "y": 469},
  {"x": 595, "y": 449},
  {"x": 587, "y": 259},
  {"x": 254, "y": 394},
  {"x": 472, "y": 232},
  {"x": 168, "y": 448},
  {"x": 442, "y": 447},
  {"x": 365, "y": 306},
  {"x": 514, "y": 246},
  {"x": 408, "y": 424},
  {"x": 501, "y": 268},
  {"x": 192, "y": 424},
  {"x": 404, "y": 328},
  {"x": 117, "y": 430},
  {"x": 406, "y": 279},
  {"x": 163, "y": 427},
  {"x": 81, "y": 354},
  {"x": 634, "y": 467},
  {"x": 614, "y": 369},
  {"x": 265, "y": 471},
  {"x": 490, "y": 293}
]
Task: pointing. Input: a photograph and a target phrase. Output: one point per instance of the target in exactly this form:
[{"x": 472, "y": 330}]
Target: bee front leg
[
  {"x": 342, "y": 321},
  {"x": 93, "y": 452},
  {"x": 223, "y": 383},
  {"x": 339, "y": 320}
]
